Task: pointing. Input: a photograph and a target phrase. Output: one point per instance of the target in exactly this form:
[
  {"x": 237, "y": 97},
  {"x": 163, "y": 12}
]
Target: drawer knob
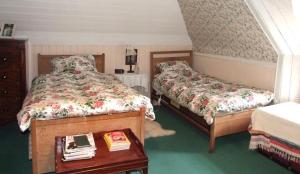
[
  {"x": 4, "y": 59},
  {"x": 3, "y": 92},
  {"x": 4, "y": 77}
]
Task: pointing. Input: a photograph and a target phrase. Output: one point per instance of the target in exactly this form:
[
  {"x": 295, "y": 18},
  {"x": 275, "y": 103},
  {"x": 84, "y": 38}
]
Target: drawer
[
  {"x": 9, "y": 76},
  {"x": 7, "y": 91},
  {"x": 9, "y": 108},
  {"x": 9, "y": 60}
]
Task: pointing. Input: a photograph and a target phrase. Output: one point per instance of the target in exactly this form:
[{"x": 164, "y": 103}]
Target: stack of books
[
  {"x": 78, "y": 147},
  {"x": 116, "y": 140}
]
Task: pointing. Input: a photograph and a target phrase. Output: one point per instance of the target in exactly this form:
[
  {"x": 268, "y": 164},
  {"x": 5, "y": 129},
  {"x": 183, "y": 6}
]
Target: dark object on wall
[
  {"x": 119, "y": 71},
  {"x": 131, "y": 58},
  {"x": 12, "y": 78},
  {"x": 7, "y": 30}
]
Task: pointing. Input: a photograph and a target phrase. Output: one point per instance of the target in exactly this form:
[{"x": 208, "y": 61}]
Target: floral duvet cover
[
  {"x": 204, "y": 95},
  {"x": 61, "y": 95}
]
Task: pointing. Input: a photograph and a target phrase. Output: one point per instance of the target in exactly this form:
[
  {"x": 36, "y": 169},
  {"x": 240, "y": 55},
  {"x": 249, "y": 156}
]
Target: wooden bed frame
[
  {"x": 43, "y": 132},
  {"x": 222, "y": 125}
]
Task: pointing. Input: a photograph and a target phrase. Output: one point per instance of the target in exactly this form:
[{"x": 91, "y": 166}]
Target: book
[
  {"x": 82, "y": 141},
  {"x": 77, "y": 147},
  {"x": 71, "y": 146},
  {"x": 116, "y": 140},
  {"x": 78, "y": 157}
]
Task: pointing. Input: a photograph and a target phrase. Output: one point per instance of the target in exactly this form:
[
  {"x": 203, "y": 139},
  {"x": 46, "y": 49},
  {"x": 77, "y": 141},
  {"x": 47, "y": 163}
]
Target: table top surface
[
  {"x": 131, "y": 74},
  {"x": 104, "y": 158},
  {"x": 286, "y": 111}
]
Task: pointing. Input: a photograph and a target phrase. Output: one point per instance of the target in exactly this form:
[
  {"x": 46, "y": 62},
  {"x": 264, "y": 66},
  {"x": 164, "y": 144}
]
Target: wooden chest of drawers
[{"x": 12, "y": 78}]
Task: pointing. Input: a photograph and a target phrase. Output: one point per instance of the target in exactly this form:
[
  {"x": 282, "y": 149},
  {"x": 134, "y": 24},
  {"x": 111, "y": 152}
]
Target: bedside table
[{"x": 140, "y": 82}]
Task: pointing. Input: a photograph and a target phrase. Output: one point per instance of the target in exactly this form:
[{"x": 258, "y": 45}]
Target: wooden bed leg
[
  {"x": 212, "y": 139},
  {"x": 142, "y": 125},
  {"x": 212, "y": 144},
  {"x": 33, "y": 148}
]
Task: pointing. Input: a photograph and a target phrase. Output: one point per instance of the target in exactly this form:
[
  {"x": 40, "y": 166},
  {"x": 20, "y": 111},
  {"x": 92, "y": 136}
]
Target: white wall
[
  {"x": 283, "y": 28},
  {"x": 248, "y": 72},
  {"x": 114, "y": 54},
  {"x": 69, "y": 38}
]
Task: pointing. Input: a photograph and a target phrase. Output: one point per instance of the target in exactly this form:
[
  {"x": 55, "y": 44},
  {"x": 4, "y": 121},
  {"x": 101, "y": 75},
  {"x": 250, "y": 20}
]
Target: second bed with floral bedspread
[
  {"x": 205, "y": 95},
  {"x": 63, "y": 94}
]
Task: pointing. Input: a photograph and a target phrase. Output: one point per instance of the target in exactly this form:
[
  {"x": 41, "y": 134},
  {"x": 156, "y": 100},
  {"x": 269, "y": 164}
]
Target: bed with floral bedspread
[
  {"x": 79, "y": 92},
  {"x": 204, "y": 95}
]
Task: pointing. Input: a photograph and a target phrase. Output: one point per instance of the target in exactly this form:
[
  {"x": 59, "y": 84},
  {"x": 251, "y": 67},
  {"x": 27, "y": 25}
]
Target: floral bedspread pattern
[
  {"x": 205, "y": 95},
  {"x": 60, "y": 95}
]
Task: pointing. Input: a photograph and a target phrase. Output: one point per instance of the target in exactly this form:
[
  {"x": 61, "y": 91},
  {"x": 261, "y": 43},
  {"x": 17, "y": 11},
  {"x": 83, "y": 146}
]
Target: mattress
[
  {"x": 62, "y": 95},
  {"x": 207, "y": 96}
]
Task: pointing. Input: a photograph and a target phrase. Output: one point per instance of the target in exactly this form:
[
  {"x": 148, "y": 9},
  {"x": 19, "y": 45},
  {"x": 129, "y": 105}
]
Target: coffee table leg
[{"x": 145, "y": 170}]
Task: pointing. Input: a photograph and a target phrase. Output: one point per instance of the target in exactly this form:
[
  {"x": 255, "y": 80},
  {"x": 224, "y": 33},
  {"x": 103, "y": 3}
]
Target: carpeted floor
[{"x": 184, "y": 152}]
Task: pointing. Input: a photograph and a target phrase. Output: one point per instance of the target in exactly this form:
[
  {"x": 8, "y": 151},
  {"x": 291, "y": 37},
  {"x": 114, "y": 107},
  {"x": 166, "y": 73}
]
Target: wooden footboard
[
  {"x": 44, "y": 132},
  {"x": 229, "y": 124}
]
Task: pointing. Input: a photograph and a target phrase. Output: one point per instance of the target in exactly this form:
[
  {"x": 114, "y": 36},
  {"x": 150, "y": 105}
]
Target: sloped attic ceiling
[
  {"x": 227, "y": 28},
  {"x": 98, "y": 16},
  {"x": 123, "y": 21}
]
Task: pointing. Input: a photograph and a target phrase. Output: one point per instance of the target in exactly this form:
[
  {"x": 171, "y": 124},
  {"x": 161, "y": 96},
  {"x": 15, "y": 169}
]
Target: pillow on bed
[
  {"x": 181, "y": 69},
  {"x": 162, "y": 66},
  {"x": 73, "y": 64}
]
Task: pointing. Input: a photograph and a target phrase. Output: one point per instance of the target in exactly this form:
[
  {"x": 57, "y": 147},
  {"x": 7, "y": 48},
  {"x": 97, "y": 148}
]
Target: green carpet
[{"x": 185, "y": 152}]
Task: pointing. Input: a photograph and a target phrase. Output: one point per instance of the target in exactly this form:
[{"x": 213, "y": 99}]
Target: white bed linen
[{"x": 280, "y": 120}]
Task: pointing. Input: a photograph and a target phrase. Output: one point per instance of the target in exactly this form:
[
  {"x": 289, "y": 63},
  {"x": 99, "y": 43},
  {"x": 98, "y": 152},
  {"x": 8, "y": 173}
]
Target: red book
[{"x": 116, "y": 140}]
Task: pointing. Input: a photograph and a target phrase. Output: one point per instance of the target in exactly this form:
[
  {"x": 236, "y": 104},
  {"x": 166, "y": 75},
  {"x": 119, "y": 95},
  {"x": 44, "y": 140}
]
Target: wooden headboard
[
  {"x": 165, "y": 56},
  {"x": 45, "y": 67}
]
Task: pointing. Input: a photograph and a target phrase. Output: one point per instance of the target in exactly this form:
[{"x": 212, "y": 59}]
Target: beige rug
[{"x": 154, "y": 129}]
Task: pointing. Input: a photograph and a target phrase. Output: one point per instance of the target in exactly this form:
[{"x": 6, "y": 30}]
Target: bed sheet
[
  {"x": 62, "y": 95},
  {"x": 205, "y": 95}
]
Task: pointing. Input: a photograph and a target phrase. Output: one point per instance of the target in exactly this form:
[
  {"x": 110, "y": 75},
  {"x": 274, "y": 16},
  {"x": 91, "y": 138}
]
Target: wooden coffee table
[{"x": 105, "y": 162}]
